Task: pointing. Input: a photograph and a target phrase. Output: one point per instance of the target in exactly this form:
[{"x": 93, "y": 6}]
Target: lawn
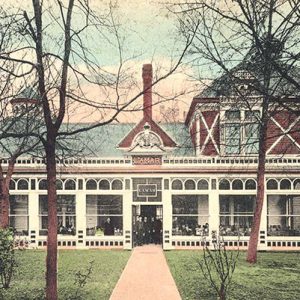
[
  {"x": 276, "y": 276},
  {"x": 29, "y": 281}
]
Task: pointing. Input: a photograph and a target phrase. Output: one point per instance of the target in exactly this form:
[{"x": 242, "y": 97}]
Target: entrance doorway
[{"x": 147, "y": 221}]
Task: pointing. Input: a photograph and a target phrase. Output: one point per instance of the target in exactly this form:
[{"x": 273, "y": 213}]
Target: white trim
[{"x": 285, "y": 133}]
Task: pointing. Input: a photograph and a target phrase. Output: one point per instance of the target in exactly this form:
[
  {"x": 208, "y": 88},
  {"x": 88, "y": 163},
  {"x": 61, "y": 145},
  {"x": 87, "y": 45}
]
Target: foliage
[
  {"x": 7, "y": 256},
  {"x": 275, "y": 276}
]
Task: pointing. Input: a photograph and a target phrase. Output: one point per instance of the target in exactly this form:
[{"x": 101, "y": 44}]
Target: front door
[{"x": 147, "y": 224}]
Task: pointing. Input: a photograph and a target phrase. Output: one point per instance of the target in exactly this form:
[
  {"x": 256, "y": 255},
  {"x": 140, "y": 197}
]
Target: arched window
[
  {"x": 22, "y": 184},
  {"x": 104, "y": 184},
  {"x": 250, "y": 184},
  {"x": 91, "y": 184},
  {"x": 297, "y": 184},
  {"x": 237, "y": 184},
  {"x": 117, "y": 185},
  {"x": 202, "y": 184},
  {"x": 285, "y": 184},
  {"x": 177, "y": 185},
  {"x": 59, "y": 184},
  {"x": 70, "y": 184},
  {"x": 43, "y": 184},
  {"x": 12, "y": 185},
  {"x": 190, "y": 184},
  {"x": 272, "y": 184},
  {"x": 224, "y": 184}
]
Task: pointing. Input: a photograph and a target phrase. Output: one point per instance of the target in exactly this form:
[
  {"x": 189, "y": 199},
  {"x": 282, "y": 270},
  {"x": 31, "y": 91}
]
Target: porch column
[{"x": 127, "y": 215}]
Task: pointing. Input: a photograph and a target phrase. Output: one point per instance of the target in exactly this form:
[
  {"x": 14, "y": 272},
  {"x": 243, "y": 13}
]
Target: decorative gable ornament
[{"x": 147, "y": 140}]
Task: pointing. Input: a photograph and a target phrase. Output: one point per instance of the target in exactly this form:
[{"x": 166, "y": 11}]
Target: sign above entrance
[
  {"x": 147, "y": 160},
  {"x": 147, "y": 190}
]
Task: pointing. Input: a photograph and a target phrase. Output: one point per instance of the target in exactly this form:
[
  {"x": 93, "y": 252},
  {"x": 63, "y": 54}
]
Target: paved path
[{"x": 146, "y": 277}]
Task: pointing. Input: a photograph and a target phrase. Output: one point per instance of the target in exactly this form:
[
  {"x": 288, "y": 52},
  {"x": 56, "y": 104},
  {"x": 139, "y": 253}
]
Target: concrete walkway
[{"x": 146, "y": 277}]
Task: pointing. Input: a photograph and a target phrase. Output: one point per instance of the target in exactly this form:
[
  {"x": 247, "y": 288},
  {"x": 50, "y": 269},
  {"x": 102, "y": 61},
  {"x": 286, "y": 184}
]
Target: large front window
[
  {"x": 104, "y": 215},
  {"x": 66, "y": 214},
  {"x": 190, "y": 215},
  {"x": 236, "y": 214},
  {"x": 284, "y": 215},
  {"x": 18, "y": 213}
]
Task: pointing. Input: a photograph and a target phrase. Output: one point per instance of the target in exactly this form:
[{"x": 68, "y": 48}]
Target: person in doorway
[
  {"x": 108, "y": 228},
  {"x": 138, "y": 231},
  {"x": 152, "y": 230},
  {"x": 146, "y": 231},
  {"x": 157, "y": 231}
]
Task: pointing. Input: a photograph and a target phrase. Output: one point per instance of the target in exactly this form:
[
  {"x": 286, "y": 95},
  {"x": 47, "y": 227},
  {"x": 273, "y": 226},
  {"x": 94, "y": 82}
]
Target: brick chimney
[{"x": 147, "y": 81}]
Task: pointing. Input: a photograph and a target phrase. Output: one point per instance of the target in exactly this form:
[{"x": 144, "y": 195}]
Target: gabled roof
[
  {"x": 103, "y": 141},
  {"x": 128, "y": 139}
]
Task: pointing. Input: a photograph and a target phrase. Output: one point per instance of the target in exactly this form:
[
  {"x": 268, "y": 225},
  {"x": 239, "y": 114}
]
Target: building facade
[{"x": 198, "y": 179}]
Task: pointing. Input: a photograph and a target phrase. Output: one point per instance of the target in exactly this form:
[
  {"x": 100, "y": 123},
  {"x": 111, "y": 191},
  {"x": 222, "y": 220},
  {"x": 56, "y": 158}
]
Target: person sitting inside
[{"x": 108, "y": 228}]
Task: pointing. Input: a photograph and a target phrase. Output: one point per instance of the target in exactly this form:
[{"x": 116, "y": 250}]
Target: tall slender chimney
[{"x": 147, "y": 81}]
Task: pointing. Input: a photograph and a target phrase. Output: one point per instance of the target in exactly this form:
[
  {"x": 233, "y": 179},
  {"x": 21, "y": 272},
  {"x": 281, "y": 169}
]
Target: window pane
[
  {"x": 104, "y": 215},
  {"x": 252, "y": 115},
  {"x": 272, "y": 184},
  {"x": 91, "y": 184},
  {"x": 190, "y": 214},
  {"x": 232, "y": 115},
  {"x": 284, "y": 226},
  {"x": 190, "y": 204},
  {"x": 250, "y": 184},
  {"x": 202, "y": 184},
  {"x": 100, "y": 226},
  {"x": 190, "y": 225},
  {"x": 70, "y": 184},
  {"x": 177, "y": 184},
  {"x": 66, "y": 210},
  {"x": 237, "y": 184},
  {"x": 20, "y": 224},
  {"x": 236, "y": 214},
  {"x": 117, "y": 185},
  {"x": 190, "y": 185},
  {"x": 232, "y": 138},
  {"x": 18, "y": 204},
  {"x": 284, "y": 215},
  {"x": 104, "y": 184},
  {"x": 251, "y": 138},
  {"x": 224, "y": 184},
  {"x": 235, "y": 226},
  {"x": 104, "y": 205},
  {"x": 22, "y": 184}
]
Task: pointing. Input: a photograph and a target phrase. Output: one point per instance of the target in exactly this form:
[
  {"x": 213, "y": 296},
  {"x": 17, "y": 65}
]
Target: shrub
[
  {"x": 218, "y": 266},
  {"x": 7, "y": 256}
]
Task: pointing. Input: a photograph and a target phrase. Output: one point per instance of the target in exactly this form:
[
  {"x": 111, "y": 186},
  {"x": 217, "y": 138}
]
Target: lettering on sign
[
  {"x": 147, "y": 160},
  {"x": 147, "y": 190}
]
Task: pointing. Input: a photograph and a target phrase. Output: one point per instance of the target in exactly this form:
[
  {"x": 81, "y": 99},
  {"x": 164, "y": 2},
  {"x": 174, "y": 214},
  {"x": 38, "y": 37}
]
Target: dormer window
[
  {"x": 240, "y": 132},
  {"x": 232, "y": 130}
]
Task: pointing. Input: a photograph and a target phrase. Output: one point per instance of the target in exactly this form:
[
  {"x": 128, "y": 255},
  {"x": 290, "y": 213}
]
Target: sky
[{"x": 149, "y": 35}]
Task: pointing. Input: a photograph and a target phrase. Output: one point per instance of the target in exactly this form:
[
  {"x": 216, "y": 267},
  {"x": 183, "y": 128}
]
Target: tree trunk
[
  {"x": 222, "y": 293},
  {"x": 4, "y": 200},
  {"x": 253, "y": 242},
  {"x": 51, "y": 271}
]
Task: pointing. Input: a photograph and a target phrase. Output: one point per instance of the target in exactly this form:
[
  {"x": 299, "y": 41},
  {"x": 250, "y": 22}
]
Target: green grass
[
  {"x": 29, "y": 281},
  {"x": 276, "y": 276}
]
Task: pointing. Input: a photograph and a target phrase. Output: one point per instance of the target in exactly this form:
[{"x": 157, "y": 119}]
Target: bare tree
[
  {"x": 261, "y": 38},
  {"x": 56, "y": 50}
]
